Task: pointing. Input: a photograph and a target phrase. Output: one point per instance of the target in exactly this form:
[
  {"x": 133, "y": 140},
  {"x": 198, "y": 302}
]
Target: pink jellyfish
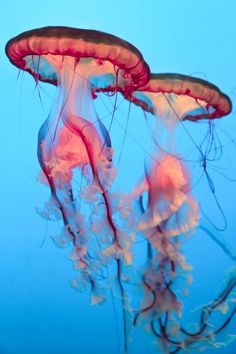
[
  {"x": 170, "y": 212},
  {"x": 74, "y": 140}
]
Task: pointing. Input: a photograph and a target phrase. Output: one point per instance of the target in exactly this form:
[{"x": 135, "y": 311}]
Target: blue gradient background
[{"x": 39, "y": 311}]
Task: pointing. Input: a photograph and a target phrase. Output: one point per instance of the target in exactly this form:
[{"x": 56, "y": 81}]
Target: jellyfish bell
[
  {"x": 91, "y": 45},
  {"x": 191, "y": 98}
]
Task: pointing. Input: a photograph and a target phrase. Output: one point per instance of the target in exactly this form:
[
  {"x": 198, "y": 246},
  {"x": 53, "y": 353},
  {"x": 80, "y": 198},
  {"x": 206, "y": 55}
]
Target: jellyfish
[
  {"x": 173, "y": 98},
  {"x": 168, "y": 212},
  {"x": 73, "y": 140}
]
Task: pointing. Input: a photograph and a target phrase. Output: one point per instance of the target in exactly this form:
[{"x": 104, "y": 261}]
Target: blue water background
[{"x": 39, "y": 312}]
